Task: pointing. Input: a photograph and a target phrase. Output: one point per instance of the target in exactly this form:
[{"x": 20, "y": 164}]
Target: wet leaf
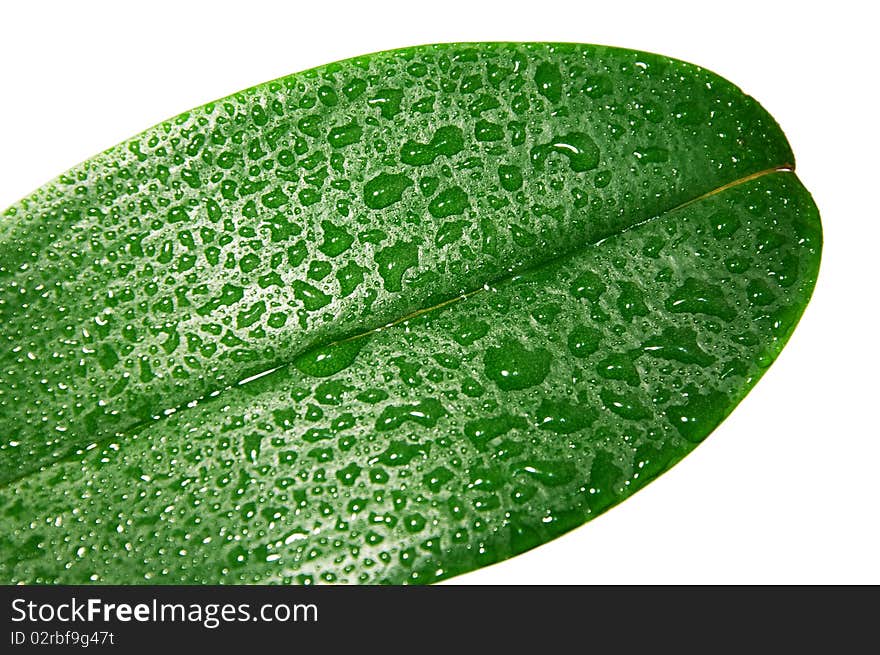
[{"x": 388, "y": 320}]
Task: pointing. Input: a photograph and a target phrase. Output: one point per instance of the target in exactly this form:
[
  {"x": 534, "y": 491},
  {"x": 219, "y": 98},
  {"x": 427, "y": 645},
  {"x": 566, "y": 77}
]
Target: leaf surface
[{"x": 388, "y": 320}]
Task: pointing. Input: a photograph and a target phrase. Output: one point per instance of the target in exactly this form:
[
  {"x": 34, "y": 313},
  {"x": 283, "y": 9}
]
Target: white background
[{"x": 786, "y": 490}]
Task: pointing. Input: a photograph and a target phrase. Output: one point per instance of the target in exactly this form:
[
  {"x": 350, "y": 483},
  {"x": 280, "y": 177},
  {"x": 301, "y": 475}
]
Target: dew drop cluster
[{"x": 387, "y": 320}]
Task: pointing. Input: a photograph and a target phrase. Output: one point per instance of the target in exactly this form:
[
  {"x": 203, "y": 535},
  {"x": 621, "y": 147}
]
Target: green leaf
[{"x": 388, "y": 320}]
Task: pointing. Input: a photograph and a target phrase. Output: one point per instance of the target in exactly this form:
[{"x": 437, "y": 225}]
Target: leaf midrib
[{"x": 214, "y": 395}]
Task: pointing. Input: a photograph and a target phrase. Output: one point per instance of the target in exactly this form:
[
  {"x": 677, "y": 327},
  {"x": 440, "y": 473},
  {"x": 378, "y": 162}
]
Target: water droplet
[
  {"x": 759, "y": 293},
  {"x": 336, "y": 239},
  {"x": 510, "y": 177},
  {"x": 581, "y": 151},
  {"x": 396, "y": 260},
  {"x": 447, "y": 140},
  {"x": 426, "y": 412},
  {"x": 345, "y": 135},
  {"x": 512, "y": 366},
  {"x": 483, "y": 430},
  {"x": 679, "y": 344},
  {"x": 619, "y": 366},
  {"x": 329, "y": 360},
  {"x": 563, "y": 417},
  {"x": 385, "y": 189},
  {"x": 627, "y": 406},
  {"x": 700, "y": 297},
  {"x": 550, "y": 473},
  {"x": 699, "y": 416},
  {"x": 388, "y": 101},
  {"x": 487, "y": 131},
  {"x": 311, "y": 297},
  {"x": 548, "y": 79},
  {"x": 583, "y": 341},
  {"x": 631, "y": 301},
  {"x": 652, "y": 155},
  {"x": 588, "y": 285},
  {"x": 449, "y": 202}
]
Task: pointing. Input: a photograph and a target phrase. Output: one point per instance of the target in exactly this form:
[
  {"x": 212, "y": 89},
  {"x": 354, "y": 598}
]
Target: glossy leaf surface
[{"x": 584, "y": 257}]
